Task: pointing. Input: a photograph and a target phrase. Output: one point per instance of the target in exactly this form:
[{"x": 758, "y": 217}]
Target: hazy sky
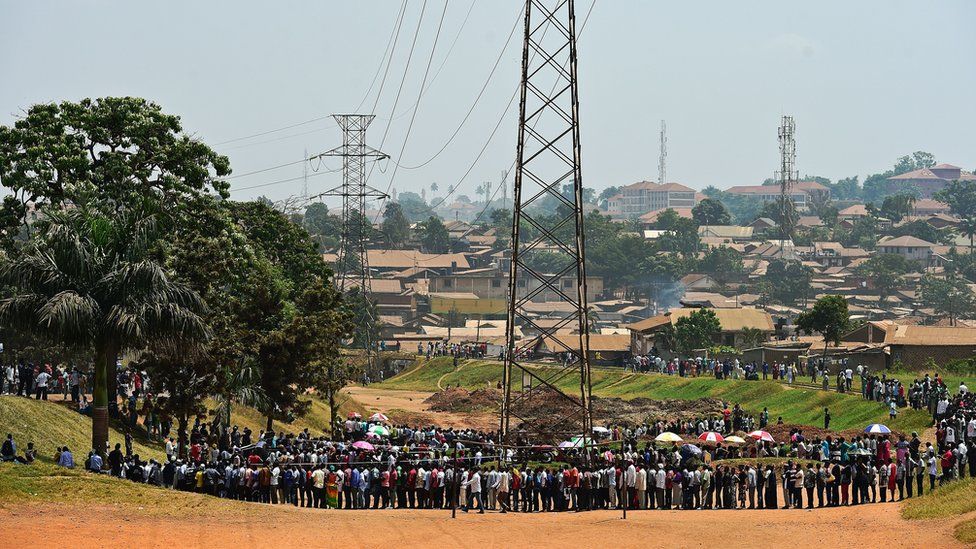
[{"x": 866, "y": 81}]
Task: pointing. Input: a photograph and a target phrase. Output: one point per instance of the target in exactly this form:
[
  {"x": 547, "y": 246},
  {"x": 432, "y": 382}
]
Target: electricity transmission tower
[
  {"x": 550, "y": 404},
  {"x": 787, "y": 176},
  {"x": 352, "y": 266},
  {"x": 662, "y": 167}
]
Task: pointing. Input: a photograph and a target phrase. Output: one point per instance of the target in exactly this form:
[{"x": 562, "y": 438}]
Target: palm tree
[
  {"x": 968, "y": 227},
  {"x": 88, "y": 281},
  {"x": 242, "y": 386}
]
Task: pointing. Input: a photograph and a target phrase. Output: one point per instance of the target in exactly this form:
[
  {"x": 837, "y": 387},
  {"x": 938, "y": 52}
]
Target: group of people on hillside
[{"x": 27, "y": 379}]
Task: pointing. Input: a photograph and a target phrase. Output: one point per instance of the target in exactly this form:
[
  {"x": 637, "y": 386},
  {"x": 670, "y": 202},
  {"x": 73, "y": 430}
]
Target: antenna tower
[
  {"x": 662, "y": 162},
  {"x": 548, "y": 157},
  {"x": 787, "y": 175}
]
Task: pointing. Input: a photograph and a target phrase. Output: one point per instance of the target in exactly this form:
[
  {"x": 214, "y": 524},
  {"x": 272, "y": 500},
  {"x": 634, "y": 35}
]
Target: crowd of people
[{"x": 375, "y": 464}]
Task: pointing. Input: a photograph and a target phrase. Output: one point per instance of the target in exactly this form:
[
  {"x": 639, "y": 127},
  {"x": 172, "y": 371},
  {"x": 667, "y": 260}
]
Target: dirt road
[{"x": 864, "y": 526}]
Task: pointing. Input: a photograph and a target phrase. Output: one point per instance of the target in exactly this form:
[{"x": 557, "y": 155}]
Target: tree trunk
[
  {"x": 100, "y": 400},
  {"x": 270, "y": 426}
]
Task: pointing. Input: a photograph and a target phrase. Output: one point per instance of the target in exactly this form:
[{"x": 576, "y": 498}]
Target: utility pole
[
  {"x": 662, "y": 169},
  {"x": 548, "y": 157},
  {"x": 352, "y": 267}
]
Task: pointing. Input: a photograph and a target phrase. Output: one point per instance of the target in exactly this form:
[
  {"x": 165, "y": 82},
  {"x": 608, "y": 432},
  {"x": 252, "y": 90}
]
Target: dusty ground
[
  {"x": 409, "y": 407},
  {"x": 865, "y": 526}
]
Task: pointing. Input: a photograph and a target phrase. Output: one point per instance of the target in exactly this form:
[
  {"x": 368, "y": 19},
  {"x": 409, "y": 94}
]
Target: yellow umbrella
[
  {"x": 668, "y": 436},
  {"x": 735, "y": 439}
]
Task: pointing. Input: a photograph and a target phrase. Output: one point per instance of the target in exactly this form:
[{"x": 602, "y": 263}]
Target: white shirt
[
  {"x": 474, "y": 483},
  {"x": 42, "y": 379}
]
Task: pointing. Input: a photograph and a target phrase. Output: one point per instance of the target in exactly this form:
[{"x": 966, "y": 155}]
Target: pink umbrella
[
  {"x": 362, "y": 445},
  {"x": 378, "y": 417},
  {"x": 354, "y": 415},
  {"x": 711, "y": 436},
  {"x": 762, "y": 435}
]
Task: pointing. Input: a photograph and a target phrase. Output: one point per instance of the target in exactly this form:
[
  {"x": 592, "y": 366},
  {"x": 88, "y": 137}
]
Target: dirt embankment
[{"x": 548, "y": 403}]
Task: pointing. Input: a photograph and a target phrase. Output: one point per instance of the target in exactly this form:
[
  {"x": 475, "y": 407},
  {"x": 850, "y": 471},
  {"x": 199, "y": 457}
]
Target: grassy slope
[
  {"x": 47, "y": 483},
  {"x": 802, "y": 406},
  {"x": 49, "y": 425},
  {"x": 948, "y": 501}
]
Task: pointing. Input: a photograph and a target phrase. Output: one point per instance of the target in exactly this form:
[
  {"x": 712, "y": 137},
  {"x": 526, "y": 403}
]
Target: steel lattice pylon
[
  {"x": 548, "y": 168},
  {"x": 352, "y": 266}
]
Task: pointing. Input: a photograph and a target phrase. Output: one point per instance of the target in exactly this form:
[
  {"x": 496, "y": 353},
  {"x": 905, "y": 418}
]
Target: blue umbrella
[
  {"x": 877, "y": 429},
  {"x": 689, "y": 450}
]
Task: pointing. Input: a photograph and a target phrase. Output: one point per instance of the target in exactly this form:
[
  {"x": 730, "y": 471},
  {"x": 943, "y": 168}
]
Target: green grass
[
  {"x": 49, "y": 425},
  {"x": 795, "y": 405},
  {"x": 47, "y": 483},
  {"x": 950, "y": 500},
  {"x": 965, "y": 531}
]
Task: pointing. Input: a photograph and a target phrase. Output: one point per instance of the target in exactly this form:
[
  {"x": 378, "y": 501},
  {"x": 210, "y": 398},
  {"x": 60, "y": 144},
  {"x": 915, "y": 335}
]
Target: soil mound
[
  {"x": 547, "y": 403},
  {"x": 464, "y": 401}
]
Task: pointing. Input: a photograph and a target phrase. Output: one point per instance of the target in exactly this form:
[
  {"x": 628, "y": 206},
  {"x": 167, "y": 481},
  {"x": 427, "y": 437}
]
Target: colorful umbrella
[
  {"x": 579, "y": 441},
  {"x": 372, "y": 435},
  {"x": 762, "y": 435},
  {"x": 735, "y": 440},
  {"x": 379, "y": 417},
  {"x": 362, "y": 445},
  {"x": 877, "y": 429},
  {"x": 712, "y": 437},
  {"x": 354, "y": 415},
  {"x": 668, "y": 436},
  {"x": 379, "y": 430}
]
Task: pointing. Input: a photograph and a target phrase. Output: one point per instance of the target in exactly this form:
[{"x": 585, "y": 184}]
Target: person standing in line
[
  {"x": 473, "y": 484},
  {"x": 826, "y": 418}
]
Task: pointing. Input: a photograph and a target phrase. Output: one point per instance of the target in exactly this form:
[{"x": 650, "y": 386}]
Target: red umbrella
[
  {"x": 711, "y": 436},
  {"x": 762, "y": 435},
  {"x": 354, "y": 415}
]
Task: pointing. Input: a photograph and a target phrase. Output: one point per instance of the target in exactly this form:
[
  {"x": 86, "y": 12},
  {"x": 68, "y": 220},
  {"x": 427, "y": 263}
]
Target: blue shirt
[{"x": 66, "y": 460}]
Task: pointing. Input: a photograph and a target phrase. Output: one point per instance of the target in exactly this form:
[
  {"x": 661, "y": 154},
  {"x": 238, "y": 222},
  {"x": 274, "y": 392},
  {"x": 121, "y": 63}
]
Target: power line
[
  {"x": 394, "y": 34},
  {"x": 406, "y": 68},
  {"x": 389, "y": 60},
  {"x": 473, "y": 105},
  {"x": 454, "y": 188},
  {"x": 282, "y": 138},
  {"x": 259, "y": 134},
  {"x": 235, "y": 176},
  {"x": 437, "y": 73},
  {"x": 416, "y": 106}
]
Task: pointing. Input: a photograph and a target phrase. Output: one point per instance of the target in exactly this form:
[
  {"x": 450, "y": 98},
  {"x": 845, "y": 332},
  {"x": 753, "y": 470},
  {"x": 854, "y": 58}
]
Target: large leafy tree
[
  {"x": 885, "y": 272},
  {"x": 106, "y": 154},
  {"x": 696, "y": 331},
  {"x": 325, "y": 227},
  {"x": 961, "y": 198},
  {"x": 828, "y": 317},
  {"x": 949, "y": 297},
  {"x": 789, "y": 281},
  {"x": 897, "y": 206},
  {"x": 711, "y": 212},
  {"x": 89, "y": 281},
  {"x": 434, "y": 236},
  {"x": 723, "y": 264},
  {"x": 395, "y": 228}
]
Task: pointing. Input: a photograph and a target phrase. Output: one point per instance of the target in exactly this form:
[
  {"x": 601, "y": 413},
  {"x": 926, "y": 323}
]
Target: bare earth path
[{"x": 863, "y": 526}]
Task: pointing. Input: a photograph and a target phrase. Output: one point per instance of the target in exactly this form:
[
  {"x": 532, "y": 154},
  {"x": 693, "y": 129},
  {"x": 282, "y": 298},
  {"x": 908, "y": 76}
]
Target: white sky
[{"x": 866, "y": 81}]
